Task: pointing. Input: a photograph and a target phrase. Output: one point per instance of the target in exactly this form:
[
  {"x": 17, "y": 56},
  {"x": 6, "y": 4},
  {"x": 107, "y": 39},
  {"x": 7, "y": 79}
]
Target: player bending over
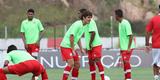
[{"x": 23, "y": 63}]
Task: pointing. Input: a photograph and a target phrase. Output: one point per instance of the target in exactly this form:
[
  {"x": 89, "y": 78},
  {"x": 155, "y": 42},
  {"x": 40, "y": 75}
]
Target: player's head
[
  {"x": 86, "y": 17},
  {"x": 81, "y": 11},
  {"x": 11, "y": 48},
  {"x": 118, "y": 14},
  {"x": 30, "y": 14}
]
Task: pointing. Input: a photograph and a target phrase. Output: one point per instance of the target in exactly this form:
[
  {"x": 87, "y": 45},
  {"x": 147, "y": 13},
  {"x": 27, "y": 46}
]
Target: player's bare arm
[
  {"x": 72, "y": 43},
  {"x": 147, "y": 37},
  {"x": 80, "y": 46},
  {"x": 23, "y": 38},
  {"x": 130, "y": 42},
  {"x": 92, "y": 38},
  {"x": 6, "y": 62},
  {"x": 41, "y": 35}
]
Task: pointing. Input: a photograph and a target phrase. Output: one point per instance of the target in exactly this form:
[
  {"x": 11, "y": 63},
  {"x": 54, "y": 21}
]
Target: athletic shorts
[
  {"x": 96, "y": 52},
  {"x": 66, "y": 54},
  {"x": 156, "y": 56},
  {"x": 126, "y": 55},
  {"x": 32, "y": 48},
  {"x": 29, "y": 66}
]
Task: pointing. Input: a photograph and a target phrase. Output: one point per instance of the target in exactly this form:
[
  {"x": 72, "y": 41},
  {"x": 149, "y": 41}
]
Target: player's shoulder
[
  {"x": 155, "y": 17},
  {"x": 36, "y": 19},
  {"x": 78, "y": 22},
  {"x": 125, "y": 21},
  {"x": 25, "y": 20}
]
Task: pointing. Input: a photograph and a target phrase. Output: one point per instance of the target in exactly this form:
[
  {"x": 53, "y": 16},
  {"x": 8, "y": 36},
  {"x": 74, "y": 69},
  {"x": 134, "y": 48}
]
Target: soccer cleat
[
  {"x": 36, "y": 78},
  {"x": 156, "y": 77}
]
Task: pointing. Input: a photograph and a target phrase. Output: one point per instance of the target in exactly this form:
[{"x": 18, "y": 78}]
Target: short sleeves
[
  {"x": 40, "y": 26},
  {"x": 22, "y": 27},
  {"x": 128, "y": 28}
]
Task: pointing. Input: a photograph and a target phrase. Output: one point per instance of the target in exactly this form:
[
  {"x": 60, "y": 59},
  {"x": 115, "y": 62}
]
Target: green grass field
[{"x": 113, "y": 73}]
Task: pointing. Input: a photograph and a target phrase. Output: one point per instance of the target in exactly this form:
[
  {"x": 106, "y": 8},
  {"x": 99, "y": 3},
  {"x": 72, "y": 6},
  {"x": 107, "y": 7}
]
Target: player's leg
[
  {"x": 67, "y": 56},
  {"x": 34, "y": 50},
  {"x": 68, "y": 68},
  {"x": 75, "y": 70},
  {"x": 100, "y": 67},
  {"x": 126, "y": 62},
  {"x": 41, "y": 71},
  {"x": 155, "y": 71},
  {"x": 97, "y": 52},
  {"x": 3, "y": 72},
  {"x": 92, "y": 66},
  {"x": 155, "y": 55}
]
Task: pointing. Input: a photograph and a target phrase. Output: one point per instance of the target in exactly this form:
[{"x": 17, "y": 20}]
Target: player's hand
[
  {"x": 90, "y": 46},
  {"x": 26, "y": 46},
  {"x": 83, "y": 51},
  {"x": 128, "y": 50},
  {"x": 73, "y": 52},
  {"x": 38, "y": 43},
  {"x": 147, "y": 49}
]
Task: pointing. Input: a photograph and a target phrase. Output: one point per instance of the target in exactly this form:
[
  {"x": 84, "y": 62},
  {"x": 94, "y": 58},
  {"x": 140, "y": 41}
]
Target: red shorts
[
  {"x": 32, "y": 48},
  {"x": 96, "y": 52},
  {"x": 66, "y": 54},
  {"x": 126, "y": 55},
  {"x": 30, "y": 66}
]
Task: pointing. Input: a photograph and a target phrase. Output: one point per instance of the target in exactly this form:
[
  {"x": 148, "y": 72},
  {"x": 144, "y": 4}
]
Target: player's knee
[
  {"x": 77, "y": 66},
  {"x": 126, "y": 61},
  {"x": 71, "y": 64},
  {"x": 97, "y": 59}
]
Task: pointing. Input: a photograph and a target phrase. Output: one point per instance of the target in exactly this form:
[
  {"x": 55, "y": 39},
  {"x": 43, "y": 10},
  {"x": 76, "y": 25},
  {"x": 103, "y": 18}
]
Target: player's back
[{"x": 17, "y": 56}]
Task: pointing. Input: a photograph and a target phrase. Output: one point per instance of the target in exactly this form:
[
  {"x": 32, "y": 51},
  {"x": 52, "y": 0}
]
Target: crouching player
[{"x": 23, "y": 63}]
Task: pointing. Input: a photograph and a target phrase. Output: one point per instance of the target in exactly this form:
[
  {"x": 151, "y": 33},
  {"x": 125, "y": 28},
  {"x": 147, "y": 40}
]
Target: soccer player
[
  {"x": 71, "y": 38},
  {"x": 126, "y": 42},
  {"x": 153, "y": 27},
  {"x": 23, "y": 63},
  {"x": 94, "y": 48},
  {"x": 31, "y": 30}
]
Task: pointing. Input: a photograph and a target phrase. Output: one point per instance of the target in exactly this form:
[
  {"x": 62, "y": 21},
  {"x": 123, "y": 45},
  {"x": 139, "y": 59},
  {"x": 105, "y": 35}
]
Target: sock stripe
[
  {"x": 92, "y": 72},
  {"x": 128, "y": 79},
  {"x": 66, "y": 72},
  {"x": 74, "y": 78},
  {"x": 127, "y": 71},
  {"x": 102, "y": 72}
]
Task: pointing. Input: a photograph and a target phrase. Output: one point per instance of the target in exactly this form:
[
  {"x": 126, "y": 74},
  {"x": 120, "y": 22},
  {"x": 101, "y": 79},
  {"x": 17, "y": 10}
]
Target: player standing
[
  {"x": 31, "y": 30},
  {"x": 23, "y": 63},
  {"x": 153, "y": 27},
  {"x": 71, "y": 38},
  {"x": 126, "y": 42},
  {"x": 94, "y": 48}
]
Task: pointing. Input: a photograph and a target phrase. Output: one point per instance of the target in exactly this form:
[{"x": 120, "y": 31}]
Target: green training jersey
[
  {"x": 31, "y": 30},
  {"x": 17, "y": 56},
  {"x": 76, "y": 29},
  {"x": 92, "y": 27},
  {"x": 124, "y": 32}
]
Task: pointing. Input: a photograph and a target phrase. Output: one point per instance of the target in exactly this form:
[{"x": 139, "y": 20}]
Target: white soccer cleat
[
  {"x": 36, "y": 78},
  {"x": 106, "y": 78}
]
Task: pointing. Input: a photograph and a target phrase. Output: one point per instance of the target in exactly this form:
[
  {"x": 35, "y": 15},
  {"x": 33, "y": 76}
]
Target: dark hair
[
  {"x": 82, "y": 10},
  {"x": 30, "y": 10},
  {"x": 11, "y": 48},
  {"x": 159, "y": 6},
  {"x": 119, "y": 13},
  {"x": 85, "y": 14}
]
